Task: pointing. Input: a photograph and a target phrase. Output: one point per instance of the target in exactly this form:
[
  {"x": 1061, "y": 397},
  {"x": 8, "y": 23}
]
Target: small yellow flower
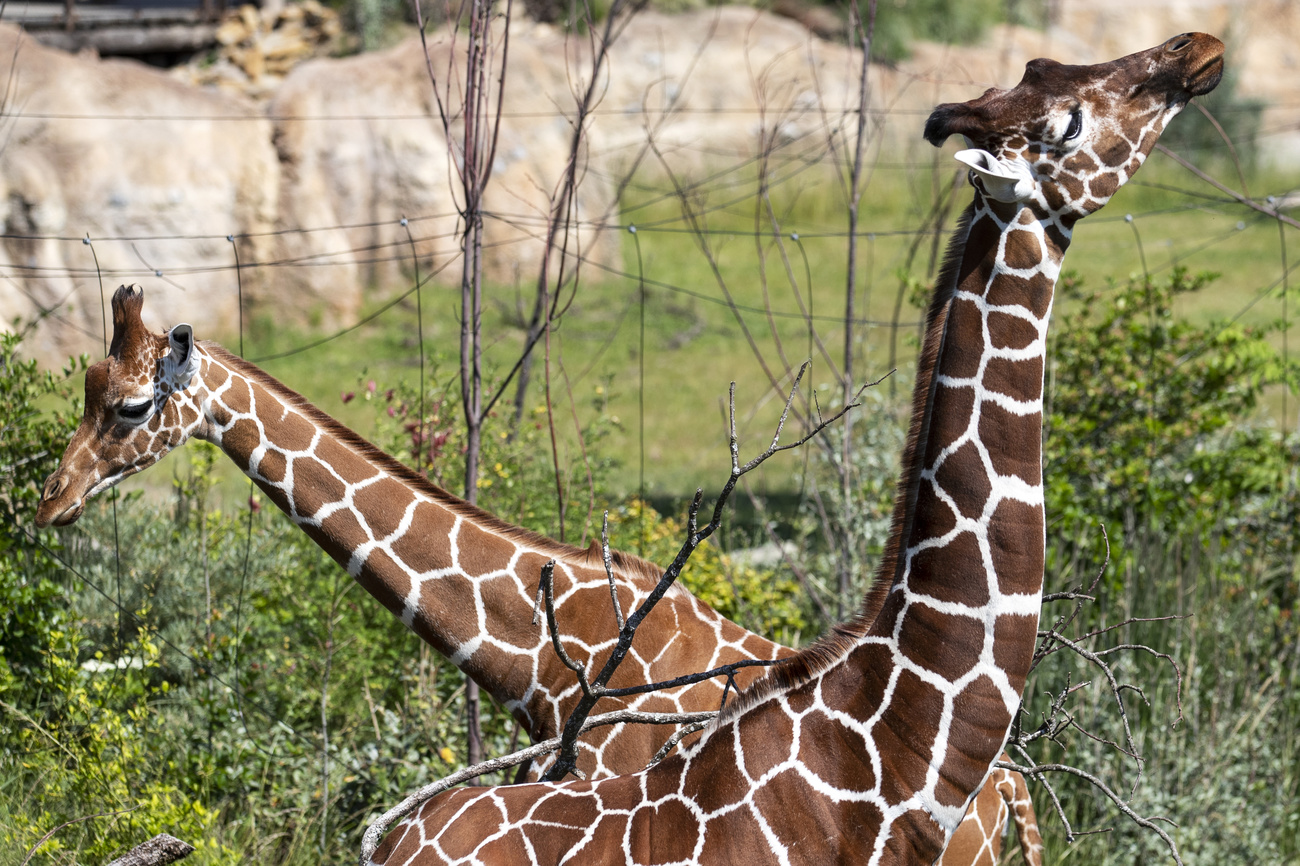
[{"x": 446, "y": 754}]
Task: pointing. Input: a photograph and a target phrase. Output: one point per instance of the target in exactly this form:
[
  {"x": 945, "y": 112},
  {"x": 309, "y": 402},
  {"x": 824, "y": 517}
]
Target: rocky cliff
[{"x": 314, "y": 179}]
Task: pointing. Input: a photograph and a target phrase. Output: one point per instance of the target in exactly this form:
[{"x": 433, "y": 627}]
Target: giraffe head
[
  {"x": 136, "y": 411},
  {"x": 1066, "y": 138}
]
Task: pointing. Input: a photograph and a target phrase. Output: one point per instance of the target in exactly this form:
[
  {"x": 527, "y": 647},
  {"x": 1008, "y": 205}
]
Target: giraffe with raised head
[
  {"x": 461, "y": 579},
  {"x": 868, "y": 746}
]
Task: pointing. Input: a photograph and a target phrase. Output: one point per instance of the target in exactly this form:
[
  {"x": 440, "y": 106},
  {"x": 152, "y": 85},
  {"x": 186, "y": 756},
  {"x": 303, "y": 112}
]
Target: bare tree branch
[
  {"x": 1057, "y": 719},
  {"x": 567, "y": 760},
  {"x": 1266, "y": 210},
  {"x": 609, "y": 570}
]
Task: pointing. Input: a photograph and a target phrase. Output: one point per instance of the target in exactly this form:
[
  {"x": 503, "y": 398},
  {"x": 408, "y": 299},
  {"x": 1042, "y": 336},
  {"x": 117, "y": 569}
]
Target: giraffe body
[
  {"x": 979, "y": 838},
  {"x": 868, "y": 746}
]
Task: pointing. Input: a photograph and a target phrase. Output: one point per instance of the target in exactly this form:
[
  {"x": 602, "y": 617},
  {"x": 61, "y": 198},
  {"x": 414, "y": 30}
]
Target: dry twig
[
  {"x": 1057, "y": 720},
  {"x": 567, "y": 760},
  {"x": 377, "y": 827}
]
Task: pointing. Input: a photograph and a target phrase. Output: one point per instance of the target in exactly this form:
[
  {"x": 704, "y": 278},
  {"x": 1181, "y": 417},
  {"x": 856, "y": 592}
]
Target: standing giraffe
[
  {"x": 461, "y": 579},
  {"x": 868, "y": 746}
]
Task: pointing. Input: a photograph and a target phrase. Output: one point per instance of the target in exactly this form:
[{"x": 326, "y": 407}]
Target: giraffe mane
[
  {"x": 829, "y": 649},
  {"x": 630, "y": 565}
]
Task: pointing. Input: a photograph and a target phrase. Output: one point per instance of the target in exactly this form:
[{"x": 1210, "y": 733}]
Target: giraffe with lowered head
[
  {"x": 461, "y": 579},
  {"x": 868, "y": 746}
]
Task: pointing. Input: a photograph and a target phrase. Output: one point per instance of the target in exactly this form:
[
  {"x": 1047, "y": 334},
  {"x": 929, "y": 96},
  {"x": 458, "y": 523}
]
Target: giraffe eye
[
  {"x": 1075, "y": 127},
  {"x": 135, "y": 411}
]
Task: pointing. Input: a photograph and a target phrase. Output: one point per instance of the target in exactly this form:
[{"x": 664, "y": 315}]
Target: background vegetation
[
  {"x": 170, "y": 657},
  {"x": 184, "y": 660}
]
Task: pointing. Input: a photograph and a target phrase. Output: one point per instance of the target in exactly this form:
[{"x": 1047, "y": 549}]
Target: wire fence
[{"x": 786, "y": 283}]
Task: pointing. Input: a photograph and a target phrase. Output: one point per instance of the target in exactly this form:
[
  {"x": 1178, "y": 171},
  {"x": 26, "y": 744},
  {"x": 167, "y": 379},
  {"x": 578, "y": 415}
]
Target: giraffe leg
[{"x": 1031, "y": 842}]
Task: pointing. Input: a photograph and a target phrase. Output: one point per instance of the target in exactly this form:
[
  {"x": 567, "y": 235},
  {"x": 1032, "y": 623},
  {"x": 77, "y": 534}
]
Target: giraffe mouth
[
  {"x": 69, "y": 515},
  {"x": 1207, "y": 77}
]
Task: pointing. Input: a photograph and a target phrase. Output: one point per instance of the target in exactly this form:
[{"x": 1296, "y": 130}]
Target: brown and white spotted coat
[
  {"x": 867, "y": 747},
  {"x": 1003, "y": 802},
  {"x": 459, "y": 578},
  {"x": 463, "y": 580}
]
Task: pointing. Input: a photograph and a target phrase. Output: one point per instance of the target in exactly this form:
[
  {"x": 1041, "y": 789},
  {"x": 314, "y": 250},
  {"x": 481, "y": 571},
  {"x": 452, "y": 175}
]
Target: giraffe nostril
[
  {"x": 1178, "y": 43},
  {"x": 54, "y": 485}
]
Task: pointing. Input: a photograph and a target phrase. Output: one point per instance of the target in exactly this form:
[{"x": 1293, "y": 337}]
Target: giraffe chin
[
  {"x": 66, "y": 517},
  {"x": 1207, "y": 77}
]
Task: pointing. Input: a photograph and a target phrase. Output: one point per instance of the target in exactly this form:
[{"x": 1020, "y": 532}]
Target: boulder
[
  {"x": 323, "y": 168},
  {"x": 154, "y": 171},
  {"x": 361, "y": 145}
]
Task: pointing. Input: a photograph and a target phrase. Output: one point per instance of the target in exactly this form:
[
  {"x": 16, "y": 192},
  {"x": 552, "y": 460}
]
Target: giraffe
[
  {"x": 978, "y": 839},
  {"x": 868, "y": 746},
  {"x": 458, "y": 577},
  {"x": 464, "y": 581}
]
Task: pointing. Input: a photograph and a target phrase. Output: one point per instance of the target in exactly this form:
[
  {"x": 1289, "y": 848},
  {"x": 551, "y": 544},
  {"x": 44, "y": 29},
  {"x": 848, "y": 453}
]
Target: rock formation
[{"x": 318, "y": 174}]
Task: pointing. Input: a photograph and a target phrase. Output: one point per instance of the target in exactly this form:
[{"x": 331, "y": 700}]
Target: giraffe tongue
[{"x": 1005, "y": 180}]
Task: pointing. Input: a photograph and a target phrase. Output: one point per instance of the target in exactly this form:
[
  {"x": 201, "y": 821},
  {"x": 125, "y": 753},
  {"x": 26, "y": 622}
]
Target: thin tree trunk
[{"x": 864, "y": 30}]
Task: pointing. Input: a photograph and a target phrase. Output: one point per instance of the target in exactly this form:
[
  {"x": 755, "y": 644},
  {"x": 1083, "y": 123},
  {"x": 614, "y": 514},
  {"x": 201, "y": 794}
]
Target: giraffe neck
[
  {"x": 970, "y": 548},
  {"x": 934, "y": 666},
  {"x": 461, "y": 579}
]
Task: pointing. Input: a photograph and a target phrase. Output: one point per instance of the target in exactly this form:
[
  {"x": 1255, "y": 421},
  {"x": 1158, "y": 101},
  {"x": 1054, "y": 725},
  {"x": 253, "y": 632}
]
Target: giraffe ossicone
[{"x": 868, "y": 746}]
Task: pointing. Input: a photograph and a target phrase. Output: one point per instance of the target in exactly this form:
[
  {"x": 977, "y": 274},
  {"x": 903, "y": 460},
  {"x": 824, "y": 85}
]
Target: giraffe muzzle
[
  {"x": 1202, "y": 57},
  {"x": 54, "y": 509}
]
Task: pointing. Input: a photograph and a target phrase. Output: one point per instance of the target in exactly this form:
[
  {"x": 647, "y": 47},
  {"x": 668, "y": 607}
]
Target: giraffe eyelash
[{"x": 135, "y": 411}]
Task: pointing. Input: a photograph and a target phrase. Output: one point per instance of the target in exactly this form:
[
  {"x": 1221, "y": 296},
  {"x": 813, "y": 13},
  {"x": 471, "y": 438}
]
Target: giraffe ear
[
  {"x": 180, "y": 364},
  {"x": 1005, "y": 180}
]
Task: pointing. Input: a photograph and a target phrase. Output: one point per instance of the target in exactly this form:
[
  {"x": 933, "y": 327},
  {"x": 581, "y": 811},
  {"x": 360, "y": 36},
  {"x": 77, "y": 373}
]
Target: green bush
[
  {"x": 898, "y": 24},
  {"x": 1152, "y": 430},
  {"x": 95, "y": 747},
  {"x": 31, "y": 440},
  {"x": 1151, "y": 419},
  {"x": 758, "y": 598}
]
